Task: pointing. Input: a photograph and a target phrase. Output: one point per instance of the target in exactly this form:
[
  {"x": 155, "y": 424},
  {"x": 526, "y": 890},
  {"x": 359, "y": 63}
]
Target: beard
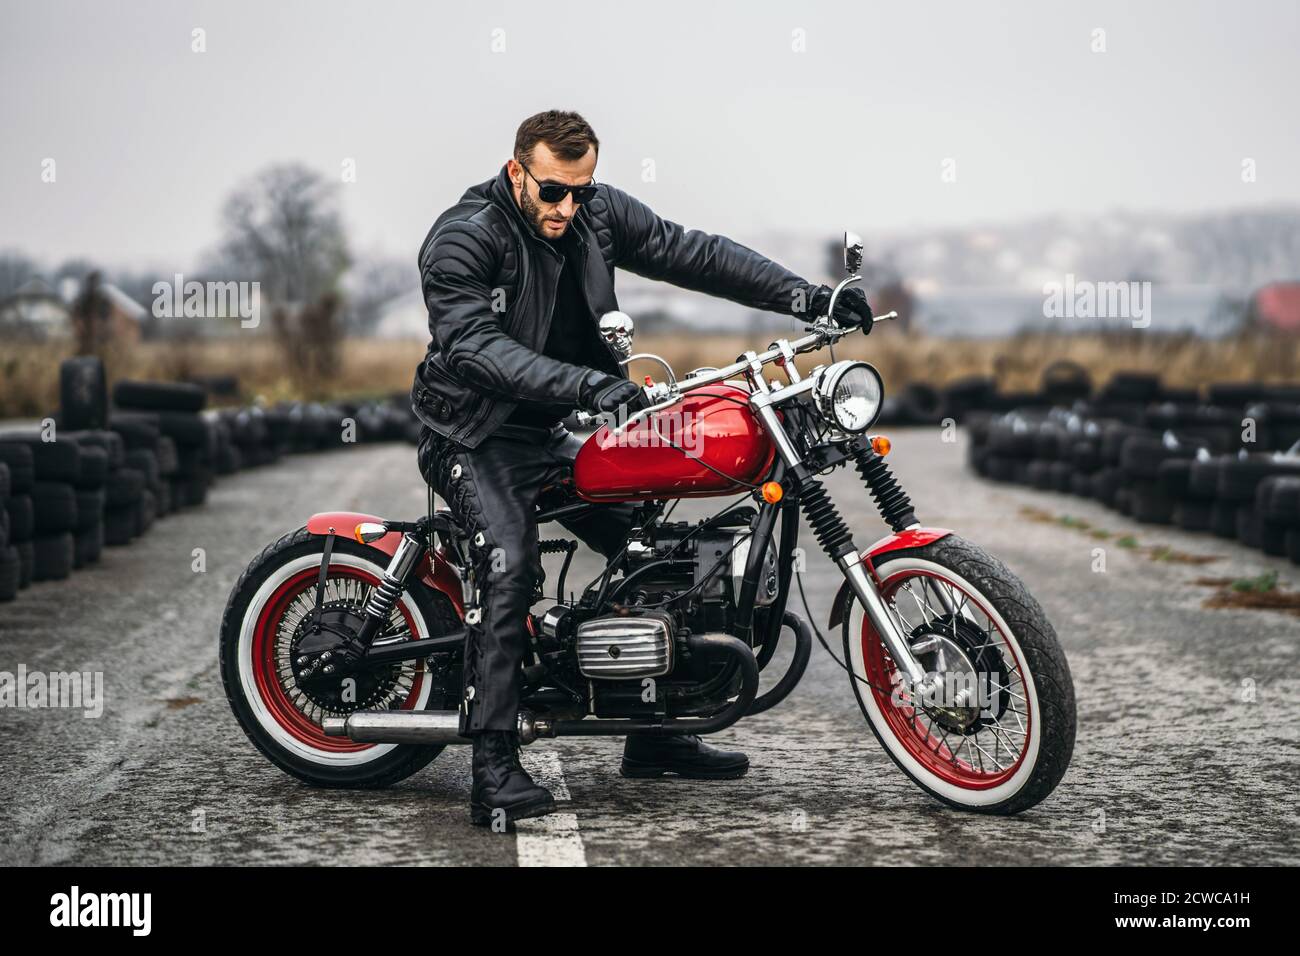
[{"x": 533, "y": 213}]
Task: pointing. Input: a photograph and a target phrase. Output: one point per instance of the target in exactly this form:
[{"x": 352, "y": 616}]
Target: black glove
[
  {"x": 608, "y": 393},
  {"x": 851, "y": 308}
]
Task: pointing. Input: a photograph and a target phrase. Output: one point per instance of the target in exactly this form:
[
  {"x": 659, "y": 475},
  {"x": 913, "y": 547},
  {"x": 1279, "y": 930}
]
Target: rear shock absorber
[
  {"x": 390, "y": 587},
  {"x": 895, "y": 507},
  {"x": 383, "y": 598}
]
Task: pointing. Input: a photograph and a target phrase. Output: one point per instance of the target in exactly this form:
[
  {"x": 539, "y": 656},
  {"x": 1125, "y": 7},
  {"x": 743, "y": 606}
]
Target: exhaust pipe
[
  {"x": 397, "y": 727},
  {"x": 412, "y": 727}
]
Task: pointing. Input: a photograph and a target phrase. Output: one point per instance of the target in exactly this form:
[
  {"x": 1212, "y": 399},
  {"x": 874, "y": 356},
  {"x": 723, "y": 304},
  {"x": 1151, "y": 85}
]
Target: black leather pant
[{"x": 492, "y": 490}]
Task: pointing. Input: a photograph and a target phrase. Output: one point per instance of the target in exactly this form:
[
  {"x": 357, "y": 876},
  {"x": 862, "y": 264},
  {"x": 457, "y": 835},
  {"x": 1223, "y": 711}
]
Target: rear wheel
[
  {"x": 997, "y": 735},
  {"x": 266, "y": 626}
]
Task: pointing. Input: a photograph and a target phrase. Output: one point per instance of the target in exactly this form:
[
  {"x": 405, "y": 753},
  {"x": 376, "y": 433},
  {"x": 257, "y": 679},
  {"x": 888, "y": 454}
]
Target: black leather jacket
[{"x": 490, "y": 282}]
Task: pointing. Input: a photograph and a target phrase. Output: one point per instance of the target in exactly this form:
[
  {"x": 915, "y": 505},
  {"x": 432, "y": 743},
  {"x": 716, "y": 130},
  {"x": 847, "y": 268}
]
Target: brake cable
[
  {"x": 608, "y": 570},
  {"x": 704, "y": 580},
  {"x": 654, "y": 424},
  {"x": 822, "y": 640}
]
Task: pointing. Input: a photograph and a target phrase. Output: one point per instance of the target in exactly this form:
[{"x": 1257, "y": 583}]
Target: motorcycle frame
[{"x": 791, "y": 469}]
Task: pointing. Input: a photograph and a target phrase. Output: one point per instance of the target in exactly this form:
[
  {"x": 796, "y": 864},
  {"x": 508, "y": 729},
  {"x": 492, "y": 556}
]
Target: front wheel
[
  {"x": 997, "y": 734},
  {"x": 269, "y": 615}
]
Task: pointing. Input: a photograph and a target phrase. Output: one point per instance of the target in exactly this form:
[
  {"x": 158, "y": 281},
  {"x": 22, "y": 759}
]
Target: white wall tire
[
  {"x": 291, "y": 740},
  {"x": 1051, "y": 723},
  {"x": 257, "y": 704}
]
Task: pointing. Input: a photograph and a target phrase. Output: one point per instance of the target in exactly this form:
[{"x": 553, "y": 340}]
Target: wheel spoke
[{"x": 964, "y": 636}]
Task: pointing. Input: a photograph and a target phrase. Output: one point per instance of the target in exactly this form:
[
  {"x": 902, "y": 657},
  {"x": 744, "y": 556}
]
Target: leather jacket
[{"x": 490, "y": 281}]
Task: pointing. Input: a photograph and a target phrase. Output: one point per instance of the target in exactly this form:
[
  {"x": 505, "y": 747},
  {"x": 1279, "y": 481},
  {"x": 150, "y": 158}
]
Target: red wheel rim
[
  {"x": 925, "y": 741},
  {"x": 266, "y": 676}
]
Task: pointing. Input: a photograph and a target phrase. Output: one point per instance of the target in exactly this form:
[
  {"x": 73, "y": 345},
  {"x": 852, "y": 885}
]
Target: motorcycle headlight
[{"x": 849, "y": 395}]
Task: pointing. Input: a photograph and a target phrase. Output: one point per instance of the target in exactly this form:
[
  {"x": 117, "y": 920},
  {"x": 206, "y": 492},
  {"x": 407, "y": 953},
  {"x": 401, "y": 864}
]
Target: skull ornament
[{"x": 616, "y": 327}]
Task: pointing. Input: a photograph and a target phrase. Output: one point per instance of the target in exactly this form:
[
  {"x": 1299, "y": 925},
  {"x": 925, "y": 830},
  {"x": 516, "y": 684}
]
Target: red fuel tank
[{"x": 711, "y": 424}]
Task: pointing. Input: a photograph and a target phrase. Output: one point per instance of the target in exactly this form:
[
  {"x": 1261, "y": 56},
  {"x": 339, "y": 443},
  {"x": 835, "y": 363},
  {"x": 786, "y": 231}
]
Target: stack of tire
[
  {"x": 972, "y": 398},
  {"x": 381, "y": 421},
  {"x": 181, "y": 468},
  {"x": 1161, "y": 456},
  {"x": 44, "y": 514},
  {"x": 104, "y": 473},
  {"x": 15, "y": 564},
  {"x": 1242, "y": 503},
  {"x": 1277, "y": 505},
  {"x": 228, "y": 459},
  {"x": 248, "y": 436},
  {"x": 138, "y": 488},
  {"x": 101, "y": 455}
]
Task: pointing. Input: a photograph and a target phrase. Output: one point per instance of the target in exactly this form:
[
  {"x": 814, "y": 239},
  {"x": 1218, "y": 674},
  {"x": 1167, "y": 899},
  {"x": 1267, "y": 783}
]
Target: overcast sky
[{"x": 746, "y": 135}]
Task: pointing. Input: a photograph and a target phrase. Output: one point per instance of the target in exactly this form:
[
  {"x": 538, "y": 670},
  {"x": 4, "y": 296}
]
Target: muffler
[{"x": 411, "y": 727}]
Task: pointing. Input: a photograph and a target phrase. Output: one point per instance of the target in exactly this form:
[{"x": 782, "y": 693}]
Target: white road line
[
  {"x": 544, "y": 767},
  {"x": 552, "y": 840}
]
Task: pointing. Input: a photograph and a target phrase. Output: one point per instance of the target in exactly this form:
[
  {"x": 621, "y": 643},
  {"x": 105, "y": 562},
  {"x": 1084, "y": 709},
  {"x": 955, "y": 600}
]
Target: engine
[
  {"x": 672, "y": 559},
  {"x": 671, "y": 586}
]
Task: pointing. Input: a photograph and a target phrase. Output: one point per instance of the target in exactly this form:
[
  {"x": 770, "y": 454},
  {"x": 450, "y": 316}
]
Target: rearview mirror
[{"x": 852, "y": 252}]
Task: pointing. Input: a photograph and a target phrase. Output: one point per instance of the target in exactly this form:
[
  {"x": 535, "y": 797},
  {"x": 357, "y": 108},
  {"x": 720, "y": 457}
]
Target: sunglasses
[{"x": 555, "y": 192}]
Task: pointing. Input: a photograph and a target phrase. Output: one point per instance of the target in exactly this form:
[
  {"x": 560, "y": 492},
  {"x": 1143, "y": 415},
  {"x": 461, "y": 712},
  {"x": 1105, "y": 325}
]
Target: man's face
[{"x": 549, "y": 220}]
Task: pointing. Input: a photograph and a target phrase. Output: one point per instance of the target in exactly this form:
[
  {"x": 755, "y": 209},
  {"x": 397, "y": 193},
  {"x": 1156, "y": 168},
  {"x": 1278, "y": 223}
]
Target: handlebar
[{"x": 822, "y": 332}]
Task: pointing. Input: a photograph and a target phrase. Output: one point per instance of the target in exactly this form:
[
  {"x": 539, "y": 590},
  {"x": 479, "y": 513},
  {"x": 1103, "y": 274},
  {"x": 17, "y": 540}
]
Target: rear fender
[
  {"x": 911, "y": 538},
  {"x": 433, "y": 570}
]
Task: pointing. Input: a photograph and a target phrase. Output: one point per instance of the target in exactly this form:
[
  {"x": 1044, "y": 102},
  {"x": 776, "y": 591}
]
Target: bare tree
[
  {"x": 283, "y": 229},
  {"x": 371, "y": 284}
]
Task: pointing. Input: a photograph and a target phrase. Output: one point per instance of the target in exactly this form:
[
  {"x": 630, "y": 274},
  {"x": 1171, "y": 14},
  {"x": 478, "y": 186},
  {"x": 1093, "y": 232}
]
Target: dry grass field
[{"x": 29, "y": 372}]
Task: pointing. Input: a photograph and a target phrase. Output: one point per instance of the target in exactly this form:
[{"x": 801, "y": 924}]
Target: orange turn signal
[
  {"x": 880, "y": 445},
  {"x": 369, "y": 531},
  {"x": 772, "y": 492}
]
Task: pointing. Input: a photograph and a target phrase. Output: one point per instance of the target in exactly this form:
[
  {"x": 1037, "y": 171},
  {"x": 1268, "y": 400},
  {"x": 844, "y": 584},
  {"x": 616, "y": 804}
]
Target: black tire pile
[
  {"x": 1162, "y": 456},
  {"x": 110, "y": 472},
  {"x": 1063, "y": 383}
]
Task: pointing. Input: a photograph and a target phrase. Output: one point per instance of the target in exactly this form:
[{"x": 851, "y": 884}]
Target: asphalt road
[{"x": 1188, "y": 743}]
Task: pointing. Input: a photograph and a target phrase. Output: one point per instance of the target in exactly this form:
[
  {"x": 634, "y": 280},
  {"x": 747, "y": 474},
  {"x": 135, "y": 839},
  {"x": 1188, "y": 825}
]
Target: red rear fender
[{"x": 436, "y": 573}]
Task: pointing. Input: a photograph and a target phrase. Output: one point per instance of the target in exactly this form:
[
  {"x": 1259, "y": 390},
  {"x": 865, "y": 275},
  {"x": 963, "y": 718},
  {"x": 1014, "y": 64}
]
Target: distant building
[
  {"x": 36, "y": 311},
  {"x": 1277, "y": 306},
  {"x": 39, "y": 311}
]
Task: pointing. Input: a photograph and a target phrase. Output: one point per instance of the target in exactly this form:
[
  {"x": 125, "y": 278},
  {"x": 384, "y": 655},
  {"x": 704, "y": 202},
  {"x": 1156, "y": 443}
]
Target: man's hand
[
  {"x": 851, "y": 308},
  {"x": 608, "y": 393}
]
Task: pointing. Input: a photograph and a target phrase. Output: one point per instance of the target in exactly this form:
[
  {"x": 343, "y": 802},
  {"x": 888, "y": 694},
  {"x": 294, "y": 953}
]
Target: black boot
[
  {"x": 686, "y": 756},
  {"x": 501, "y": 782}
]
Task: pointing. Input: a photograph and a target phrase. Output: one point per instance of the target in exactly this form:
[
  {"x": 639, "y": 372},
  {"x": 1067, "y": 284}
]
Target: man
[{"x": 515, "y": 277}]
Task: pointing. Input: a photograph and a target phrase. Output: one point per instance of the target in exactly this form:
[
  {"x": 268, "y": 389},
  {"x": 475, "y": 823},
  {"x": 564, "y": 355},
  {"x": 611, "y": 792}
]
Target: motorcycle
[{"x": 342, "y": 643}]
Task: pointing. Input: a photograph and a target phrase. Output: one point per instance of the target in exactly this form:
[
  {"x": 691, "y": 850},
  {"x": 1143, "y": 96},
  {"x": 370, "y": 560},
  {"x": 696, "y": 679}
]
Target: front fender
[
  {"x": 433, "y": 570},
  {"x": 911, "y": 538}
]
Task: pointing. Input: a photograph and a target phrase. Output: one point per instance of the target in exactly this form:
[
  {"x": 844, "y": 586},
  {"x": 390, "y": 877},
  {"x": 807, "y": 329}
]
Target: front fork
[{"x": 834, "y": 536}]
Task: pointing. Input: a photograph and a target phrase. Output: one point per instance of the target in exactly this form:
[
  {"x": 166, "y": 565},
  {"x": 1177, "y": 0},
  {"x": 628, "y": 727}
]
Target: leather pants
[{"x": 492, "y": 490}]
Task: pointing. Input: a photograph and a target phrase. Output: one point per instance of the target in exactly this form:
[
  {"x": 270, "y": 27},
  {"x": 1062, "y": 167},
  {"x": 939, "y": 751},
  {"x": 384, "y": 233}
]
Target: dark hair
[{"x": 565, "y": 133}]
